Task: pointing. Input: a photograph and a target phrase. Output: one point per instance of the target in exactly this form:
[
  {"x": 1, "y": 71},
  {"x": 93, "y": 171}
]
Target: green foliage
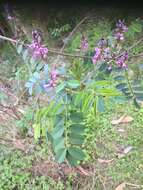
[
  {"x": 75, "y": 97},
  {"x": 14, "y": 173},
  {"x": 59, "y": 31},
  {"x": 133, "y": 89},
  {"x": 26, "y": 122},
  {"x": 134, "y": 29},
  {"x": 63, "y": 119}
]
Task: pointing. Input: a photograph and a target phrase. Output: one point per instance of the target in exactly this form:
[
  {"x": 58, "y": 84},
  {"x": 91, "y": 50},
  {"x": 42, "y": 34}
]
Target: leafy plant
[
  {"x": 132, "y": 89},
  {"x": 59, "y": 31},
  {"x": 26, "y": 122},
  {"x": 62, "y": 122},
  {"x": 74, "y": 92}
]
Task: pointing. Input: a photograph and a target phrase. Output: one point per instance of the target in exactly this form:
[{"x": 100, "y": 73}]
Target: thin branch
[
  {"x": 13, "y": 109},
  {"x": 138, "y": 55},
  {"x": 135, "y": 44},
  {"x": 74, "y": 30},
  {"x": 8, "y": 39},
  {"x": 59, "y": 52},
  {"x": 66, "y": 42},
  {"x": 51, "y": 50}
]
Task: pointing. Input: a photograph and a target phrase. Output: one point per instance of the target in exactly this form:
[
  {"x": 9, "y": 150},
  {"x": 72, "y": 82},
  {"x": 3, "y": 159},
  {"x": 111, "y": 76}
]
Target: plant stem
[
  {"x": 66, "y": 122},
  {"x": 129, "y": 84}
]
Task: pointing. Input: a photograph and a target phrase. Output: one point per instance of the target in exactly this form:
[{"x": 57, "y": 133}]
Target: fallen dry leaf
[
  {"x": 120, "y": 155},
  {"x": 121, "y": 186},
  {"x": 122, "y": 119},
  {"x": 125, "y": 151},
  {"x": 121, "y": 130},
  {"x": 19, "y": 144},
  {"x": 141, "y": 104},
  {"x": 128, "y": 149},
  {"x": 102, "y": 161},
  {"x": 83, "y": 172}
]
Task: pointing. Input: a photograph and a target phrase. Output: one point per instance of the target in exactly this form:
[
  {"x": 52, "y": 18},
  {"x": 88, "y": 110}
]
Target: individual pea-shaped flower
[
  {"x": 109, "y": 68},
  {"x": 53, "y": 79},
  {"x": 121, "y": 28},
  {"x": 10, "y": 18},
  {"x": 107, "y": 53},
  {"x": 37, "y": 36},
  {"x": 102, "y": 43},
  {"x": 121, "y": 61},
  {"x": 97, "y": 55},
  {"x": 119, "y": 36},
  {"x": 84, "y": 44}
]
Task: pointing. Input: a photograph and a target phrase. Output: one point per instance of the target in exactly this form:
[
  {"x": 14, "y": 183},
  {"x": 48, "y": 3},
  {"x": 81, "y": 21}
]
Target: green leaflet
[
  {"x": 121, "y": 86},
  {"x": 37, "y": 131},
  {"x": 99, "y": 84},
  {"x": 76, "y": 139},
  {"x": 100, "y": 104},
  {"x": 58, "y": 144},
  {"x": 87, "y": 101},
  {"x": 61, "y": 155},
  {"x": 76, "y": 153},
  {"x": 77, "y": 128},
  {"x": 119, "y": 78},
  {"x": 60, "y": 87},
  {"x": 57, "y": 132},
  {"x": 59, "y": 120},
  {"x": 76, "y": 117},
  {"x": 73, "y": 83},
  {"x": 107, "y": 92},
  {"x": 72, "y": 161}
]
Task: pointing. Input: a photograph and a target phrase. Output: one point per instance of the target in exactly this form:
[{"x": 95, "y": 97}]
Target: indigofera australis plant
[{"x": 70, "y": 99}]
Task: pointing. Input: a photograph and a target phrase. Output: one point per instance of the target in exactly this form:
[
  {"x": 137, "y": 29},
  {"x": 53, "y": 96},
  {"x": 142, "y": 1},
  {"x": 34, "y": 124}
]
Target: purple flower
[
  {"x": 121, "y": 28},
  {"x": 38, "y": 50},
  {"x": 84, "y": 44},
  {"x": 102, "y": 42},
  {"x": 54, "y": 74},
  {"x": 119, "y": 36},
  {"x": 97, "y": 55},
  {"x": 53, "y": 80},
  {"x": 107, "y": 53},
  {"x": 122, "y": 59},
  {"x": 10, "y": 17},
  {"x": 109, "y": 68}
]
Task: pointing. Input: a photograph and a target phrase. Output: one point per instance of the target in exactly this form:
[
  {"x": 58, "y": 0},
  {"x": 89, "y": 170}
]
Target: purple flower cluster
[
  {"x": 38, "y": 50},
  {"x": 84, "y": 44},
  {"x": 121, "y": 28},
  {"x": 102, "y": 52},
  {"x": 122, "y": 59},
  {"x": 53, "y": 79}
]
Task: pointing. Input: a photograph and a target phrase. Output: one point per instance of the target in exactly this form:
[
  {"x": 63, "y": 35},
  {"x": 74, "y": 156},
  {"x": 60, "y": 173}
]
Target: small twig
[
  {"x": 10, "y": 108},
  {"x": 50, "y": 50},
  {"x": 65, "y": 43},
  {"x": 74, "y": 30},
  {"x": 135, "y": 44},
  {"x": 60, "y": 52},
  {"x": 138, "y": 55},
  {"x": 134, "y": 185}
]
